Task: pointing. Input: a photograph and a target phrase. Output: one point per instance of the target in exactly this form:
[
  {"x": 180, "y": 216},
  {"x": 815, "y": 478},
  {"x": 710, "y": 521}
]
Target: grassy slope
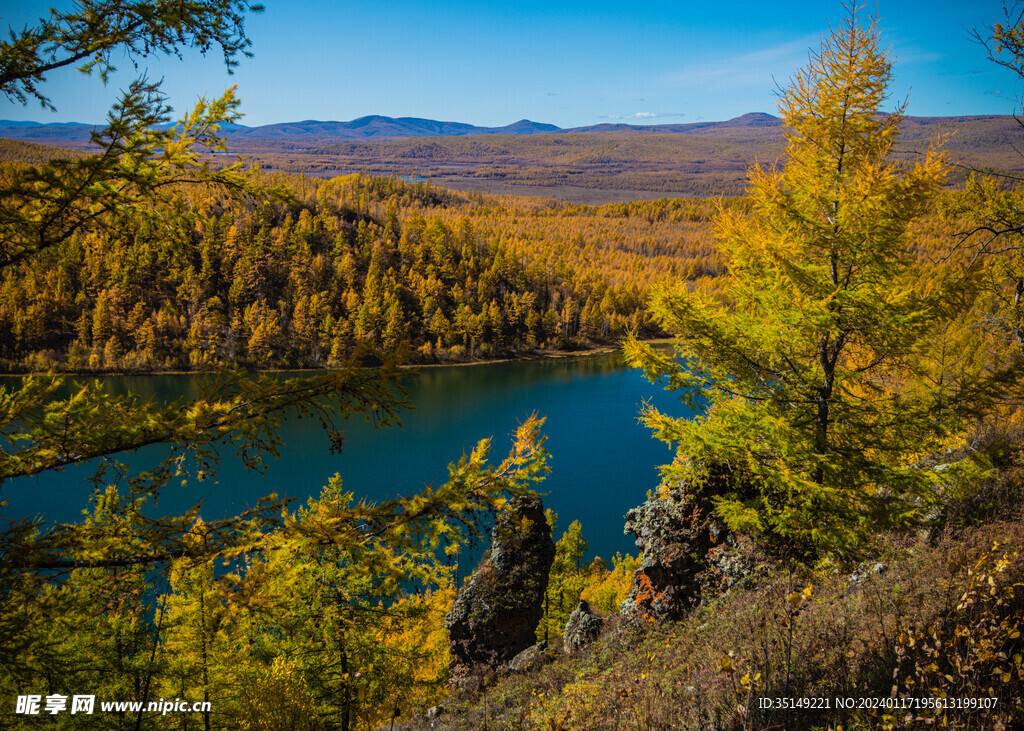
[
  {"x": 929, "y": 617},
  {"x": 851, "y": 635}
]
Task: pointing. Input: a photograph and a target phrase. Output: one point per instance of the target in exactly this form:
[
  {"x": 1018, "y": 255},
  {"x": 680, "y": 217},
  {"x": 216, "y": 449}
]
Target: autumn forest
[
  {"x": 833, "y": 298},
  {"x": 303, "y": 280}
]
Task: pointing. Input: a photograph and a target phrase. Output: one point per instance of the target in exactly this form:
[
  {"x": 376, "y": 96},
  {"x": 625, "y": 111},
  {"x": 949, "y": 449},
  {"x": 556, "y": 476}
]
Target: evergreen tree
[{"x": 567, "y": 579}]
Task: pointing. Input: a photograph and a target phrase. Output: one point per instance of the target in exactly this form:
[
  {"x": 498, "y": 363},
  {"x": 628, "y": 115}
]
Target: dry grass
[{"x": 827, "y": 636}]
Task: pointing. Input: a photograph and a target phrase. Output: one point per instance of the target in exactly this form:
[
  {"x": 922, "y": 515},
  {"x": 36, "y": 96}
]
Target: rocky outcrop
[
  {"x": 495, "y": 615},
  {"x": 687, "y": 553},
  {"x": 582, "y": 628},
  {"x": 733, "y": 561}
]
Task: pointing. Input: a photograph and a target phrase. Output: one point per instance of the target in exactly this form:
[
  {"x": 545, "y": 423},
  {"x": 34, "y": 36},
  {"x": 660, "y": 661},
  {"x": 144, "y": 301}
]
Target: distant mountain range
[
  {"x": 600, "y": 163},
  {"x": 376, "y": 127},
  {"x": 373, "y": 127}
]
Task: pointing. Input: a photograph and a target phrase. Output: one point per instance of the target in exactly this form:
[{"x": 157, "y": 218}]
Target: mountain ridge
[
  {"x": 596, "y": 164},
  {"x": 376, "y": 127}
]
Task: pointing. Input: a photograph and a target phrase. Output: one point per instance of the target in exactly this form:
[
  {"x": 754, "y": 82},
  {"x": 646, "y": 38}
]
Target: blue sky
[{"x": 570, "y": 63}]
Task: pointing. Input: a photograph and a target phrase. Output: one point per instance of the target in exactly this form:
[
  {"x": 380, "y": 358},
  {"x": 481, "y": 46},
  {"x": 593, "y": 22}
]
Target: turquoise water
[{"x": 603, "y": 460}]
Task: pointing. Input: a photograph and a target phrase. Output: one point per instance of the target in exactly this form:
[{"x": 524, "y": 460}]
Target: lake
[{"x": 603, "y": 460}]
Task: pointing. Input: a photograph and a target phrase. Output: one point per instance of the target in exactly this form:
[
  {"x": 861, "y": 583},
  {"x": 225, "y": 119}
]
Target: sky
[{"x": 569, "y": 63}]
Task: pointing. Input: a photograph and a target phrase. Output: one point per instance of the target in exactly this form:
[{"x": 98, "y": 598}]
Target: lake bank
[{"x": 539, "y": 354}]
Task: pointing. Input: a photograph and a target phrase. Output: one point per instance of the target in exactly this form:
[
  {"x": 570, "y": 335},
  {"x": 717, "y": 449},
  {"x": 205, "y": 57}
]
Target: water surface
[{"x": 603, "y": 460}]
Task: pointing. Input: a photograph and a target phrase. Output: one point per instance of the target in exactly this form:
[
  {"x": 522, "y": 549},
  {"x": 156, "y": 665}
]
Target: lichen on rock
[
  {"x": 582, "y": 628},
  {"x": 529, "y": 660},
  {"x": 687, "y": 553},
  {"x": 496, "y": 613}
]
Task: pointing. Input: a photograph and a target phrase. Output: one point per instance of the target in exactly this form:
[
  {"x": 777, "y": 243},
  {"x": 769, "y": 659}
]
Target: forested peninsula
[{"x": 331, "y": 266}]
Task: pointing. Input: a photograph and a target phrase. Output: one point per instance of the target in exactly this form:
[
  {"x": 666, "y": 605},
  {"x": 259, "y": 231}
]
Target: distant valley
[{"x": 597, "y": 164}]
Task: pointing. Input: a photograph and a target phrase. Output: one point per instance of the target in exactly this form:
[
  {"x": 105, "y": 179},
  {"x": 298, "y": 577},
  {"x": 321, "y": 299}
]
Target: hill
[
  {"x": 619, "y": 162},
  {"x": 373, "y": 127},
  {"x": 597, "y": 164},
  {"x": 377, "y": 127}
]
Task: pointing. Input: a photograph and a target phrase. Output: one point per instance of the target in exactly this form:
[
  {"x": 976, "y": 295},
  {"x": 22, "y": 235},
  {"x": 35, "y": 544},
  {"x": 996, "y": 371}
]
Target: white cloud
[
  {"x": 747, "y": 69},
  {"x": 918, "y": 57},
  {"x": 644, "y": 115}
]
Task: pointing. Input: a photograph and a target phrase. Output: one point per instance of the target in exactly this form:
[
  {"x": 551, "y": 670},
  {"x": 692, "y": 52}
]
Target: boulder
[
  {"x": 686, "y": 553},
  {"x": 582, "y": 628},
  {"x": 495, "y": 614},
  {"x": 530, "y": 659}
]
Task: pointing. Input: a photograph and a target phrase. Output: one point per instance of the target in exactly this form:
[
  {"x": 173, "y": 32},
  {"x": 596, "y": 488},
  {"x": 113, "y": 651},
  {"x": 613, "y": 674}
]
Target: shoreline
[{"x": 541, "y": 355}]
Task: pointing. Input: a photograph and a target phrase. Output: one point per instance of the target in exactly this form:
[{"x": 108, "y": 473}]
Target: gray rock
[
  {"x": 495, "y": 615},
  {"x": 530, "y": 659},
  {"x": 582, "y": 628},
  {"x": 687, "y": 552},
  {"x": 731, "y": 562}
]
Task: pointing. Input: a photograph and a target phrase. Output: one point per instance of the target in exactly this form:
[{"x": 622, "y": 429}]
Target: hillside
[
  {"x": 594, "y": 165},
  {"x": 615, "y": 163},
  {"x": 352, "y": 262},
  {"x": 783, "y": 650}
]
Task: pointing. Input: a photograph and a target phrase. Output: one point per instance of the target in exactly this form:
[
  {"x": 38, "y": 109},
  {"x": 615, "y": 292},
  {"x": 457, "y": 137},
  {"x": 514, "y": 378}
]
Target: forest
[
  {"x": 839, "y": 519},
  {"x": 355, "y": 261}
]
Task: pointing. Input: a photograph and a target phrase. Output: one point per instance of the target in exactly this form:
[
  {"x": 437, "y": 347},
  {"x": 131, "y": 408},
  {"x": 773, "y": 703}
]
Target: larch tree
[
  {"x": 814, "y": 375},
  {"x": 989, "y": 208}
]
